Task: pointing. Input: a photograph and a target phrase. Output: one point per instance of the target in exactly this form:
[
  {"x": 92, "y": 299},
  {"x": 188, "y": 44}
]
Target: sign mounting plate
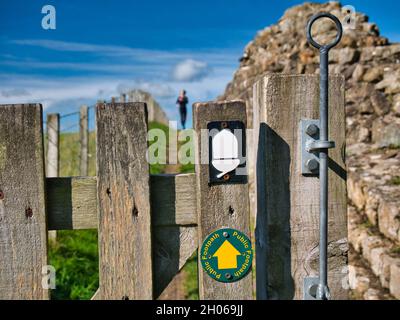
[{"x": 227, "y": 152}]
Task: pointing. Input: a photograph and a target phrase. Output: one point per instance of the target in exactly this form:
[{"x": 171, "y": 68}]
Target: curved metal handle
[{"x": 338, "y": 27}]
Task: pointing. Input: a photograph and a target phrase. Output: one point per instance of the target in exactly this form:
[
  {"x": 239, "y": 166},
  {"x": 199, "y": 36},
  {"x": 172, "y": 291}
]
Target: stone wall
[
  {"x": 155, "y": 111},
  {"x": 374, "y": 217}
]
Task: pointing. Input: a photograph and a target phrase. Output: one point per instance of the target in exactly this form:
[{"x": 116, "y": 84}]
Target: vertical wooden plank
[
  {"x": 220, "y": 205},
  {"x": 23, "y": 234},
  {"x": 84, "y": 139},
  {"x": 287, "y": 232},
  {"x": 53, "y": 143},
  {"x": 53, "y": 154},
  {"x": 125, "y": 249},
  {"x": 122, "y": 98}
]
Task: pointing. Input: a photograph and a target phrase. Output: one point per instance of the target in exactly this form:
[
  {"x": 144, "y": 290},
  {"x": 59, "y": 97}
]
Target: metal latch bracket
[
  {"x": 310, "y": 147},
  {"x": 310, "y": 288}
]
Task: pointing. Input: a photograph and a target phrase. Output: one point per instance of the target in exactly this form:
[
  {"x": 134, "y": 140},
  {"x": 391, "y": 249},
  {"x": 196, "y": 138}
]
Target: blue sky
[{"x": 100, "y": 48}]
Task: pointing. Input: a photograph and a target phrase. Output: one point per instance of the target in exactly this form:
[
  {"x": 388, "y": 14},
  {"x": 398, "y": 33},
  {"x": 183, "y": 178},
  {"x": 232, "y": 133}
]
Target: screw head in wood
[
  {"x": 28, "y": 212},
  {"x": 312, "y": 165},
  {"x": 312, "y": 130}
]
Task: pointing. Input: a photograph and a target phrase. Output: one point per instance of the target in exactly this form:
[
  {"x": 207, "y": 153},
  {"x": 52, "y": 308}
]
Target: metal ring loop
[{"x": 338, "y": 27}]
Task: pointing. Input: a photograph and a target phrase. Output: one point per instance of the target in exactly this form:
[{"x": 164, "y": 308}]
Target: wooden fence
[{"x": 149, "y": 225}]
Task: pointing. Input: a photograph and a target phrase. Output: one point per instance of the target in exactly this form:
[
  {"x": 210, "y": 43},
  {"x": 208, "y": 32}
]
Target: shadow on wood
[
  {"x": 59, "y": 196},
  {"x": 273, "y": 245}
]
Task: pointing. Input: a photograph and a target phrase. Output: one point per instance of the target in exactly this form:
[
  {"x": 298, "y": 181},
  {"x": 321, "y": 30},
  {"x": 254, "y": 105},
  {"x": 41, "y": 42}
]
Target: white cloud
[
  {"x": 157, "y": 90},
  {"x": 121, "y": 69},
  {"x": 137, "y": 54},
  {"x": 190, "y": 70},
  {"x": 109, "y": 50},
  {"x": 14, "y": 92},
  {"x": 204, "y": 73},
  {"x": 50, "y": 92}
]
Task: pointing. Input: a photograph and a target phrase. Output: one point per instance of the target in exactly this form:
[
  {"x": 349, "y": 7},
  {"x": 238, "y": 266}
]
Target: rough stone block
[
  {"x": 395, "y": 280},
  {"x": 389, "y": 220}
]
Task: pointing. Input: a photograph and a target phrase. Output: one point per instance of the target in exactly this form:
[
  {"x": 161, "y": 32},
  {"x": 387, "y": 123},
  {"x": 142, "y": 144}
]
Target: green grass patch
[
  {"x": 395, "y": 181},
  {"x": 75, "y": 258},
  {"x": 367, "y": 224},
  {"x": 191, "y": 284},
  {"x": 395, "y": 250},
  {"x": 394, "y": 147}
]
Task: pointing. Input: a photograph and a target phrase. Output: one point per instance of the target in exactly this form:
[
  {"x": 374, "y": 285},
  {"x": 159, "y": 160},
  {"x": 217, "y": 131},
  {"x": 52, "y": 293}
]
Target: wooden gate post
[
  {"x": 125, "y": 244},
  {"x": 220, "y": 206},
  {"x": 84, "y": 139},
  {"x": 23, "y": 233},
  {"x": 53, "y": 154},
  {"x": 287, "y": 232},
  {"x": 53, "y": 144},
  {"x": 122, "y": 98}
]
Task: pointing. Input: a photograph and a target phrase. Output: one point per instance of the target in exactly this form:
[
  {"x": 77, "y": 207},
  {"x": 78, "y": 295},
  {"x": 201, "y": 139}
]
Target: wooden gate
[{"x": 149, "y": 225}]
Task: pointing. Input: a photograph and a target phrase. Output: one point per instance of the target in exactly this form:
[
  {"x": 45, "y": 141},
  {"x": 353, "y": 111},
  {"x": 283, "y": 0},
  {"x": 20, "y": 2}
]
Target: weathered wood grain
[
  {"x": 53, "y": 145},
  {"x": 176, "y": 289},
  {"x": 173, "y": 199},
  {"x": 125, "y": 243},
  {"x": 72, "y": 203},
  {"x": 122, "y": 98},
  {"x": 23, "y": 233},
  {"x": 84, "y": 140},
  {"x": 173, "y": 246},
  {"x": 53, "y": 154},
  {"x": 287, "y": 232},
  {"x": 96, "y": 295},
  {"x": 220, "y": 205}
]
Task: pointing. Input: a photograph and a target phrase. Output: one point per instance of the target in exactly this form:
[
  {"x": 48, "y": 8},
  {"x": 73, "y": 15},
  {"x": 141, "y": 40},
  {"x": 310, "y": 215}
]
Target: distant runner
[{"x": 182, "y": 101}]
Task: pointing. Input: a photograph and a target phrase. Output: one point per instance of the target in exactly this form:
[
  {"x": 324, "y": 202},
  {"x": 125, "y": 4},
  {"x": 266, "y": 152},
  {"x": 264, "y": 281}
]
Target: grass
[
  {"x": 395, "y": 250},
  {"x": 75, "y": 254},
  {"x": 367, "y": 224},
  {"x": 75, "y": 258},
  {"x": 394, "y": 147},
  {"x": 191, "y": 284},
  {"x": 395, "y": 181},
  {"x": 159, "y": 168},
  {"x": 69, "y": 154}
]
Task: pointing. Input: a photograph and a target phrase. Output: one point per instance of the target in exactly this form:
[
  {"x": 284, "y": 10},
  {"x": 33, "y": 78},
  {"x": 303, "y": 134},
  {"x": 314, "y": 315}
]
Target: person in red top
[{"x": 182, "y": 101}]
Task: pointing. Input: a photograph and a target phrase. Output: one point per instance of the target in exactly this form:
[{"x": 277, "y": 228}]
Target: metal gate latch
[{"x": 314, "y": 154}]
